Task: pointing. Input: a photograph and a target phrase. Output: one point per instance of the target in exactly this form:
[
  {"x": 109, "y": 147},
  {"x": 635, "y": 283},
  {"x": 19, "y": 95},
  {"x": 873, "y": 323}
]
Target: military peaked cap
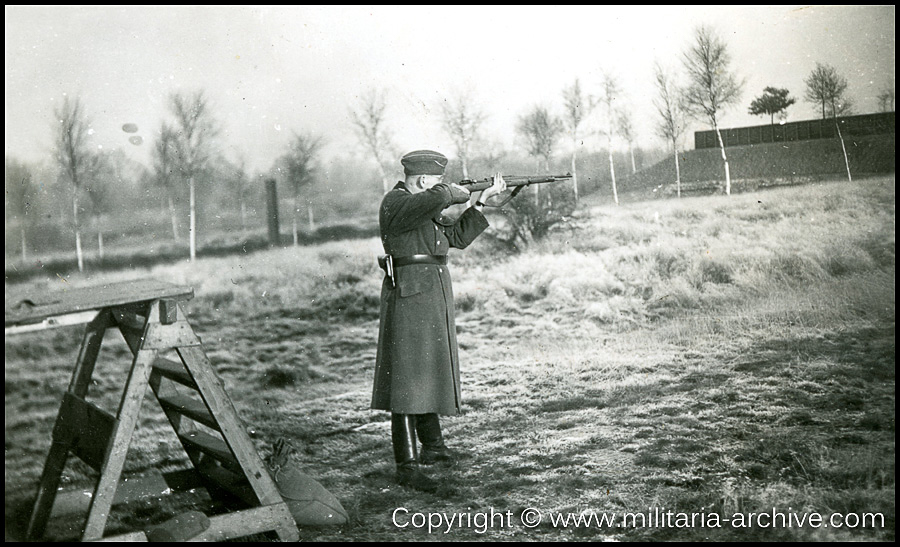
[{"x": 424, "y": 162}]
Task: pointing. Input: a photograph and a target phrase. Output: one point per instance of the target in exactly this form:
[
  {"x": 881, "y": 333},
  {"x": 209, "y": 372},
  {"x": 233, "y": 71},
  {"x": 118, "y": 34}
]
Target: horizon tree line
[{"x": 186, "y": 147}]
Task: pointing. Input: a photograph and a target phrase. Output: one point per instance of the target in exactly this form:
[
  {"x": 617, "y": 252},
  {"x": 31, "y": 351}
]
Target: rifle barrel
[{"x": 512, "y": 181}]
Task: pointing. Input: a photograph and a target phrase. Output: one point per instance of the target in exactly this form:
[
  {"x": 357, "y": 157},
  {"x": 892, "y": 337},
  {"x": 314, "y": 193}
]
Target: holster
[{"x": 386, "y": 263}]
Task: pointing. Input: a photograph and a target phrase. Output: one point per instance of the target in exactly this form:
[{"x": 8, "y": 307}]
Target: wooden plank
[
  {"x": 168, "y": 311},
  {"x": 128, "y": 413},
  {"x": 179, "y": 333},
  {"x": 77, "y": 501},
  {"x": 53, "y": 468},
  {"x": 233, "y": 482},
  {"x": 255, "y": 520},
  {"x": 87, "y": 354},
  {"x": 212, "y": 446},
  {"x": 85, "y": 428},
  {"x": 34, "y": 307},
  {"x": 130, "y": 537},
  {"x": 133, "y": 337},
  {"x": 270, "y": 518},
  {"x": 153, "y": 485},
  {"x": 129, "y": 319},
  {"x": 175, "y": 371},
  {"x": 233, "y": 431},
  {"x": 67, "y": 320},
  {"x": 190, "y": 407}
]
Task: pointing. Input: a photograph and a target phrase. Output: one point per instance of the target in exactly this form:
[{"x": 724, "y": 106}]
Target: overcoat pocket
[{"x": 413, "y": 282}]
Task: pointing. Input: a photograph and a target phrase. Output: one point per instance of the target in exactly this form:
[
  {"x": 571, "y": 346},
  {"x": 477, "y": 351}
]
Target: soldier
[{"x": 417, "y": 364}]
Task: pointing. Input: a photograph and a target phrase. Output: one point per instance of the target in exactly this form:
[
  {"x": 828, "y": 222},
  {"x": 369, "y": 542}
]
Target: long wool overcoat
[{"x": 417, "y": 363}]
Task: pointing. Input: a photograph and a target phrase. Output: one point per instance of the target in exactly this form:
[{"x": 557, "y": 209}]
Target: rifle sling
[{"x": 509, "y": 198}]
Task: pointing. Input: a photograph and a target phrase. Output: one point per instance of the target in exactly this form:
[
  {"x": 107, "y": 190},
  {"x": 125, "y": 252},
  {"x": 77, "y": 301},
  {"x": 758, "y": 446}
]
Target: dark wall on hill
[
  {"x": 798, "y": 160},
  {"x": 862, "y": 125}
]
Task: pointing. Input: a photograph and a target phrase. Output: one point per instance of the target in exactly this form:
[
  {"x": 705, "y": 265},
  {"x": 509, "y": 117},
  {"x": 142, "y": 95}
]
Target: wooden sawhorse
[{"x": 149, "y": 317}]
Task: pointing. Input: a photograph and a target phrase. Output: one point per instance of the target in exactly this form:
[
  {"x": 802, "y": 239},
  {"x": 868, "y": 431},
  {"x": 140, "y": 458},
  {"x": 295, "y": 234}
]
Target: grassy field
[{"x": 710, "y": 355}]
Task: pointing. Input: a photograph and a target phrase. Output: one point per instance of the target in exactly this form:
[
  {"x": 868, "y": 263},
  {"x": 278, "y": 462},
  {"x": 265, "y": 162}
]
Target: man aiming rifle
[{"x": 417, "y": 362}]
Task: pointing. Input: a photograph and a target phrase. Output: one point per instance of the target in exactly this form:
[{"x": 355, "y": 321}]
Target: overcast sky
[{"x": 270, "y": 71}]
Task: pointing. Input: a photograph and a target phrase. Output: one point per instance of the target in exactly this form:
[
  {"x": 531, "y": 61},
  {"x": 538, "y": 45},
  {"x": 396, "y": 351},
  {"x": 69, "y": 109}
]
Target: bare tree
[
  {"x": 711, "y": 85},
  {"x": 239, "y": 185},
  {"x": 165, "y": 158},
  {"x": 461, "y": 120},
  {"x": 578, "y": 106},
  {"x": 610, "y": 88},
  {"x": 298, "y": 167},
  {"x": 370, "y": 128},
  {"x": 827, "y": 88},
  {"x": 886, "y": 98},
  {"x": 195, "y": 130},
  {"x": 20, "y": 198},
  {"x": 100, "y": 187},
  {"x": 73, "y": 156},
  {"x": 626, "y": 130},
  {"x": 671, "y": 124},
  {"x": 541, "y": 131}
]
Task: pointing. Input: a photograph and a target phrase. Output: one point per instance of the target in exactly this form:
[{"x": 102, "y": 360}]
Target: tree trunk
[
  {"x": 78, "y": 254},
  {"x": 193, "y": 232},
  {"x": 724, "y": 159},
  {"x": 309, "y": 212},
  {"x": 633, "y": 167},
  {"x": 844, "y": 148},
  {"x": 174, "y": 218},
  {"x": 243, "y": 215},
  {"x": 384, "y": 179},
  {"x": 294, "y": 222},
  {"x": 612, "y": 172},
  {"x": 574, "y": 177},
  {"x": 24, "y": 247},
  {"x": 677, "y": 170},
  {"x": 100, "y": 243}
]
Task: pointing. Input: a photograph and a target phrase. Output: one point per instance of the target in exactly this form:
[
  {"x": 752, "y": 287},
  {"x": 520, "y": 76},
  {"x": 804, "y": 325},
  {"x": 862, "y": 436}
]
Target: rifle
[{"x": 516, "y": 182}]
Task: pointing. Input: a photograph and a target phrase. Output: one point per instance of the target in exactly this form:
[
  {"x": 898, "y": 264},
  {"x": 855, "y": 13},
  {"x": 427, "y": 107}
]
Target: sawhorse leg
[
  {"x": 59, "y": 448},
  {"x": 117, "y": 449}
]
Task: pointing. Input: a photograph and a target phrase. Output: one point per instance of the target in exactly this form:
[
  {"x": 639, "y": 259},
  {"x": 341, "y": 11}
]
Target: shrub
[
  {"x": 712, "y": 271},
  {"x": 530, "y": 215}
]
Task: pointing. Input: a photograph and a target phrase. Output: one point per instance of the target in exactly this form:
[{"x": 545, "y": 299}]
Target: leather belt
[{"x": 440, "y": 260}]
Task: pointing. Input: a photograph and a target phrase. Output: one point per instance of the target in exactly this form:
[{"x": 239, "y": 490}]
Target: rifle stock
[{"x": 512, "y": 181}]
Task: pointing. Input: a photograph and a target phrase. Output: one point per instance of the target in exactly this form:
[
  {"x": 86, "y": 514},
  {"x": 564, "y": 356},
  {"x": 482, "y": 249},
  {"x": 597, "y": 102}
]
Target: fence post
[{"x": 272, "y": 212}]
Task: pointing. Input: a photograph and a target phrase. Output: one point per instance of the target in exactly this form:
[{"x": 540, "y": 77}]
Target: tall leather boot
[
  {"x": 403, "y": 437},
  {"x": 428, "y": 426}
]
